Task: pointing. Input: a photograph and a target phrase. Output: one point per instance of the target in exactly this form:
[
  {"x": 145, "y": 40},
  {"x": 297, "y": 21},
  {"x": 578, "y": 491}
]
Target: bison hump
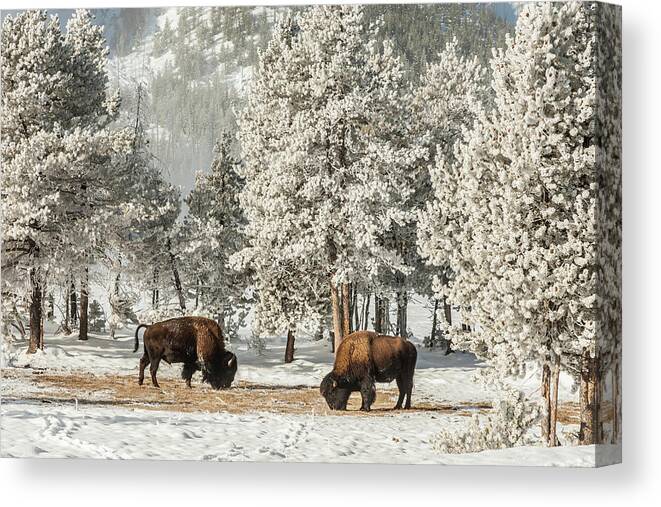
[{"x": 353, "y": 358}]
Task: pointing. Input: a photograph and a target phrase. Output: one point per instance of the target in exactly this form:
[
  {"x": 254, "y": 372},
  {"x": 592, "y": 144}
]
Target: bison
[
  {"x": 363, "y": 358},
  {"x": 195, "y": 341}
]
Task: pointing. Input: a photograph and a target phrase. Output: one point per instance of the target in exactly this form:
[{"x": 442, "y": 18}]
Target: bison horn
[{"x": 230, "y": 363}]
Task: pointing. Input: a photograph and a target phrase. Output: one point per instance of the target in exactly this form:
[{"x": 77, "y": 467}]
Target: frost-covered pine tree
[
  {"x": 57, "y": 149},
  {"x": 289, "y": 292},
  {"x": 526, "y": 266},
  {"x": 147, "y": 210},
  {"x": 214, "y": 231},
  {"x": 608, "y": 128},
  {"x": 453, "y": 91},
  {"x": 326, "y": 156}
]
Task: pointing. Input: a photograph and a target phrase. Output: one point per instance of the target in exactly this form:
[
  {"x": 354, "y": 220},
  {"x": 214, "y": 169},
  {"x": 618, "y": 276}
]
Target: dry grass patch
[{"x": 243, "y": 397}]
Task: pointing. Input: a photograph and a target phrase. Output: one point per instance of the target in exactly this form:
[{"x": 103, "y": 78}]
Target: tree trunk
[
  {"x": 67, "y": 315},
  {"x": 356, "y": 311},
  {"x": 366, "y": 318},
  {"x": 35, "y": 313},
  {"x": 42, "y": 328},
  {"x": 43, "y": 313},
  {"x": 175, "y": 277},
  {"x": 546, "y": 396},
  {"x": 447, "y": 310},
  {"x": 378, "y": 324},
  {"x": 18, "y": 322},
  {"x": 84, "y": 296},
  {"x": 434, "y": 325},
  {"x": 385, "y": 315},
  {"x": 555, "y": 379},
  {"x": 346, "y": 309},
  {"x": 73, "y": 303},
  {"x": 289, "y": 350},
  {"x": 589, "y": 400},
  {"x": 197, "y": 293},
  {"x": 615, "y": 389},
  {"x": 337, "y": 316},
  {"x": 115, "y": 292},
  {"x": 154, "y": 293},
  {"x": 402, "y": 313}
]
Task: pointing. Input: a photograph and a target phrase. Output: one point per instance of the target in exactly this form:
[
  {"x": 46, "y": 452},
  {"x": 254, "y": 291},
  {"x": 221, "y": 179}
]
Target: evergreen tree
[
  {"x": 451, "y": 94},
  {"x": 57, "y": 150},
  {"x": 325, "y": 151},
  {"x": 525, "y": 264},
  {"x": 214, "y": 231}
]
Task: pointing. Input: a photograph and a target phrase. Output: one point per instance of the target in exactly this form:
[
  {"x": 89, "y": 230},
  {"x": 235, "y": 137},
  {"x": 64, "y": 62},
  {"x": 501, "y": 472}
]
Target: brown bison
[
  {"x": 363, "y": 358},
  {"x": 195, "y": 341}
]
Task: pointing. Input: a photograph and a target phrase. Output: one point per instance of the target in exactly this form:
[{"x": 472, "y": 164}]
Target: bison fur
[
  {"x": 363, "y": 358},
  {"x": 195, "y": 341}
]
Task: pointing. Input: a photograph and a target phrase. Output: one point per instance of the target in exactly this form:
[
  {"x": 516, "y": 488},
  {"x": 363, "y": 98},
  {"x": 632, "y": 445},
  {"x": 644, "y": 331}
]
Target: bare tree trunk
[
  {"x": 50, "y": 314},
  {"x": 385, "y": 315},
  {"x": 447, "y": 310},
  {"x": 346, "y": 309},
  {"x": 175, "y": 277},
  {"x": 67, "y": 317},
  {"x": 553, "y": 439},
  {"x": 615, "y": 388},
  {"x": 356, "y": 311},
  {"x": 43, "y": 313},
  {"x": 73, "y": 303},
  {"x": 84, "y": 296},
  {"x": 366, "y": 318},
  {"x": 197, "y": 293},
  {"x": 18, "y": 322},
  {"x": 289, "y": 349},
  {"x": 154, "y": 293},
  {"x": 402, "y": 313},
  {"x": 41, "y": 337},
  {"x": 337, "y": 317},
  {"x": 378, "y": 314},
  {"x": 546, "y": 395},
  {"x": 115, "y": 292},
  {"x": 589, "y": 400},
  {"x": 434, "y": 325},
  {"x": 35, "y": 312}
]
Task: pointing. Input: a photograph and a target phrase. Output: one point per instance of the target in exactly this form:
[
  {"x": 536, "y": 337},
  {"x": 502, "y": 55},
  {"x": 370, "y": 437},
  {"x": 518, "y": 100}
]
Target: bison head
[
  {"x": 222, "y": 376},
  {"x": 336, "y": 396}
]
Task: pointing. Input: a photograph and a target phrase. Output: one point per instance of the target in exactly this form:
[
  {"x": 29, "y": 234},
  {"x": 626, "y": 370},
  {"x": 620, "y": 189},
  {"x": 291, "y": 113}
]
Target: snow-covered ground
[
  {"x": 33, "y": 427},
  {"x": 30, "y": 430}
]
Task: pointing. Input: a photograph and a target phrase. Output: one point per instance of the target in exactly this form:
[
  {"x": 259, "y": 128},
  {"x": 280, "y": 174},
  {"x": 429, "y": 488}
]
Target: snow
[{"x": 32, "y": 428}]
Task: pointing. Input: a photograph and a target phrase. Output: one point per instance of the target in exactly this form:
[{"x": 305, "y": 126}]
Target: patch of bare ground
[{"x": 243, "y": 397}]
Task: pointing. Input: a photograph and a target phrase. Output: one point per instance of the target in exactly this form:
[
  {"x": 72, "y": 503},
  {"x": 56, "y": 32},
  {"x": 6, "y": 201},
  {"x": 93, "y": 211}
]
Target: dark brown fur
[
  {"x": 195, "y": 341},
  {"x": 363, "y": 358}
]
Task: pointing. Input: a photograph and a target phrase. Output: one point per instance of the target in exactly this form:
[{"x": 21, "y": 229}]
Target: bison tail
[{"x": 135, "y": 342}]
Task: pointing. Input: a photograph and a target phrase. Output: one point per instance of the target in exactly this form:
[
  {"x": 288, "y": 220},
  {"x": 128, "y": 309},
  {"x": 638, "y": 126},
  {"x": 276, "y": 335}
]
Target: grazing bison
[
  {"x": 363, "y": 358},
  {"x": 195, "y": 341}
]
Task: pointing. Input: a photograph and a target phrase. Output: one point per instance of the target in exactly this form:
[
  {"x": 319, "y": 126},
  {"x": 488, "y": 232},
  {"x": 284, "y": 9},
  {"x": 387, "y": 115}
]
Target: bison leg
[
  {"x": 409, "y": 389},
  {"x": 368, "y": 393},
  {"x": 144, "y": 361},
  {"x": 187, "y": 372},
  {"x": 153, "y": 368},
  {"x": 402, "y": 392}
]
